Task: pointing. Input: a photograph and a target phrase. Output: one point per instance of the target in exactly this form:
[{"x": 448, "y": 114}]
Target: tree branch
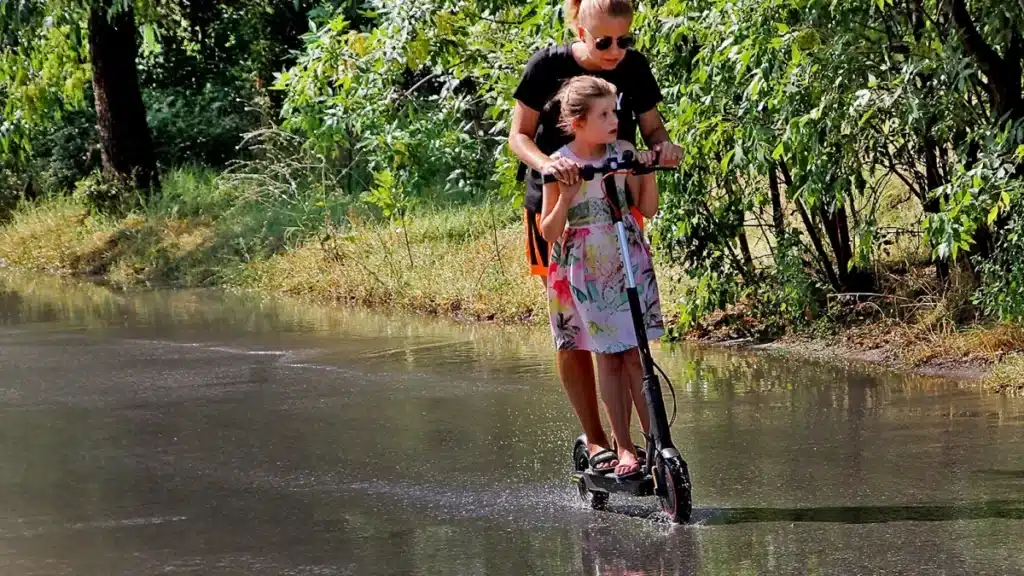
[
  {"x": 988, "y": 59},
  {"x": 823, "y": 260}
]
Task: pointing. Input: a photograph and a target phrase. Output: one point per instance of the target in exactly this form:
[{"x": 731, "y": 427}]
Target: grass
[
  {"x": 465, "y": 261},
  {"x": 1008, "y": 376},
  {"x": 208, "y": 229}
]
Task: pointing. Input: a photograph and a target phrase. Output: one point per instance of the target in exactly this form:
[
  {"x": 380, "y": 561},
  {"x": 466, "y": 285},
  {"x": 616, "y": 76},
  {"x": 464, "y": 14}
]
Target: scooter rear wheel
[
  {"x": 581, "y": 463},
  {"x": 596, "y": 500},
  {"x": 675, "y": 498}
]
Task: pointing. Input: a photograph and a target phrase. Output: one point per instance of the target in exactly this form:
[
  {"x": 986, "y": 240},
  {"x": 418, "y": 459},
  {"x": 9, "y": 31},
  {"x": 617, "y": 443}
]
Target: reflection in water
[
  {"x": 609, "y": 552},
  {"x": 152, "y": 432}
]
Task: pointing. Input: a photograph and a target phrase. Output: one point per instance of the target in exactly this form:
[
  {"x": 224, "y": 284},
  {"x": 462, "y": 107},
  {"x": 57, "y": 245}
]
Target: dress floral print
[{"x": 588, "y": 306}]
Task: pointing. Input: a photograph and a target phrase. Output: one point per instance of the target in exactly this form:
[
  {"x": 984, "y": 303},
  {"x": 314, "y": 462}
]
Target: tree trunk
[
  {"x": 748, "y": 259},
  {"x": 1003, "y": 73},
  {"x": 778, "y": 218},
  {"x": 812, "y": 231},
  {"x": 830, "y": 222},
  {"x": 819, "y": 248},
  {"x": 125, "y": 141}
]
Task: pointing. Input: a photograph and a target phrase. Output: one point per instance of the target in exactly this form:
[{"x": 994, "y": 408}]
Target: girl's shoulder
[{"x": 623, "y": 145}]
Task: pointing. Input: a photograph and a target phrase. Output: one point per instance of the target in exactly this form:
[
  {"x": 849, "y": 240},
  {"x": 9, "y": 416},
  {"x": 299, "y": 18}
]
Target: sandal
[
  {"x": 641, "y": 454},
  {"x": 604, "y": 456},
  {"x": 634, "y": 475}
]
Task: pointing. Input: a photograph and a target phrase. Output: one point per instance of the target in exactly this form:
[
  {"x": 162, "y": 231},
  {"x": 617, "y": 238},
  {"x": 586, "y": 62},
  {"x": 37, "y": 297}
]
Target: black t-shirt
[{"x": 545, "y": 73}]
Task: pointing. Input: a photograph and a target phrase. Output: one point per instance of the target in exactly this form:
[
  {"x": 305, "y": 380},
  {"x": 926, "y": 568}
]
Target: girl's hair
[
  {"x": 616, "y": 8},
  {"x": 576, "y": 97}
]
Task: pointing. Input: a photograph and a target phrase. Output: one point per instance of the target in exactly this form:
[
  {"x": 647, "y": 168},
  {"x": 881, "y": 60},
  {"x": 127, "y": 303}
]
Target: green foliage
[
  {"x": 835, "y": 101},
  {"x": 203, "y": 66},
  {"x": 425, "y": 91},
  {"x": 103, "y": 195},
  {"x": 202, "y": 126},
  {"x": 805, "y": 125}
]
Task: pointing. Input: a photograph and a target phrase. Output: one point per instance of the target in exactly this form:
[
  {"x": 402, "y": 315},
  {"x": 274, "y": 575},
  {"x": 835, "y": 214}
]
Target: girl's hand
[
  {"x": 646, "y": 157},
  {"x": 567, "y": 171},
  {"x": 670, "y": 154}
]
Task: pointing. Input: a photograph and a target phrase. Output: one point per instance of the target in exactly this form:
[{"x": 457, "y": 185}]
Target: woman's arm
[
  {"x": 652, "y": 128},
  {"x": 643, "y": 187},
  {"x": 656, "y": 136},
  {"x": 520, "y": 140},
  {"x": 520, "y": 137}
]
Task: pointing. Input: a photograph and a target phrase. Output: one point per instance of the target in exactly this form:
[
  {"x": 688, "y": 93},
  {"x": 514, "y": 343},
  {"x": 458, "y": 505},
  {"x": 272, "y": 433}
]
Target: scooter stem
[{"x": 659, "y": 432}]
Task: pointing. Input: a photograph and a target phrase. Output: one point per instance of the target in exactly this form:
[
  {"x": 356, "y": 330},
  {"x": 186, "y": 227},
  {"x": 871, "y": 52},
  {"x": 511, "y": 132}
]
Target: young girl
[{"x": 586, "y": 281}]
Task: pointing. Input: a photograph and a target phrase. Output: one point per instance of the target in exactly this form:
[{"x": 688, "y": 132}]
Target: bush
[
  {"x": 103, "y": 195},
  {"x": 65, "y": 153},
  {"x": 202, "y": 126},
  {"x": 1002, "y": 290}
]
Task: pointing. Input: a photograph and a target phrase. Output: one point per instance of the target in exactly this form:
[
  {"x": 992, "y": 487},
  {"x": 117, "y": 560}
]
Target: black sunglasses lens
[
  {"x": 626, "y": 42},
  {"x": 603, "y": 43}
]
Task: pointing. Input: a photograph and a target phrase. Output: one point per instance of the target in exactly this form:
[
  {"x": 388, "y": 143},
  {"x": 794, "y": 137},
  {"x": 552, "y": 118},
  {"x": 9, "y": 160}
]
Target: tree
[
  {"x": 125, "y": 140},
  {"x": 43, "y": 70}
]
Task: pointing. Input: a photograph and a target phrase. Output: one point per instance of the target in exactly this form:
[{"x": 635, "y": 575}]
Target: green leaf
[
  {"x": 779, "y": 150},
  {"x": 726, "y": 159}
]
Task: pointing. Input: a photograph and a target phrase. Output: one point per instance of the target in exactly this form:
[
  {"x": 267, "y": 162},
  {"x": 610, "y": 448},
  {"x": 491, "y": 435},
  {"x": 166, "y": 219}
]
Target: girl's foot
[
  {"x": 602, "y": 460},
  {"x": 628, "y": 464}
]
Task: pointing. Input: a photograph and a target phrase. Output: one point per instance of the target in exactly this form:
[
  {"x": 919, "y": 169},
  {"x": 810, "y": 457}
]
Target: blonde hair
[
  {"x": 614, "y": 8},
  {"x": 576, "y": 97}
]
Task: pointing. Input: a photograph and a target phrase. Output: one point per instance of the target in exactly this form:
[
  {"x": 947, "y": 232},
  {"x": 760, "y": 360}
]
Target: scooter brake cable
[{"x": 671, "y": 389}]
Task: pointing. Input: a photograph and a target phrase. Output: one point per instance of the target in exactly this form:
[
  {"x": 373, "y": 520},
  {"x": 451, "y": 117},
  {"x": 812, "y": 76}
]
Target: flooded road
[{"x": 205, "y": 433}]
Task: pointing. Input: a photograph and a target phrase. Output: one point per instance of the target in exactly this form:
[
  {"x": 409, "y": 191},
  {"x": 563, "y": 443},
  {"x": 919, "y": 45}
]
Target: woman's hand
[
  {"x": 567, "y": 171},
  {"x": 646, "y": 157},
  {"x": 669, "y": 155}
]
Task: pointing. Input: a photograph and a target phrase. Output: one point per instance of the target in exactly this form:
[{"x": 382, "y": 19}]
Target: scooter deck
[{"x": 643, "y": 486}]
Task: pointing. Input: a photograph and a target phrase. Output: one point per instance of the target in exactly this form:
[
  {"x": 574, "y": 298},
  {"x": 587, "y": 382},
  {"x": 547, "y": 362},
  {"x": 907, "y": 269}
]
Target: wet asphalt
[{"x": 208, "y": 433}]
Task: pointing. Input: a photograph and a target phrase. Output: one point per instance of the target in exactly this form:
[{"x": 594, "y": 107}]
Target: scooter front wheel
[{"x": 675, "y": 490}]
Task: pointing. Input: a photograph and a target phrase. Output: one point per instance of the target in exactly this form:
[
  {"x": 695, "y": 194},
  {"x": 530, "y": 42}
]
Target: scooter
[{"x": 664, "y": 473}]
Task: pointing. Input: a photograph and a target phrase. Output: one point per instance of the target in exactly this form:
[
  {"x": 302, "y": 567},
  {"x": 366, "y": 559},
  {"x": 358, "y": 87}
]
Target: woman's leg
[{"x": 615, "y": 395}]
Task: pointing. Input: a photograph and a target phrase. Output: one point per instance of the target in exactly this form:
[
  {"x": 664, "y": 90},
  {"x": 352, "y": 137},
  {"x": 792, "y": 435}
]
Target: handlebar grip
[{"x": 586, "y": 172}]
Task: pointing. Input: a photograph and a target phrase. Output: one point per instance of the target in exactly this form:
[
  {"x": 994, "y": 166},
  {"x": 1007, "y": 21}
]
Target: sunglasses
[{"x": 605, "y": 42}]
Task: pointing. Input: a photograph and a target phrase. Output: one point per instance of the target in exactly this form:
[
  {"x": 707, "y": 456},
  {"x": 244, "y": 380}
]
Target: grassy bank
[{"x": 464, "y": 262}]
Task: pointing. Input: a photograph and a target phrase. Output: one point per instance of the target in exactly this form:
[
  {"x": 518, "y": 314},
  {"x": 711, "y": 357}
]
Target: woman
[{"x": 603, "y": 49}]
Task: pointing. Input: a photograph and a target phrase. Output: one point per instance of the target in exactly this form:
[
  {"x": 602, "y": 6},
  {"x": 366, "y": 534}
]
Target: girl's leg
[
  {"x": 634, "y": 373},
  {"x": 576, "y": 370},
  {"x": 615, "y": 394}
]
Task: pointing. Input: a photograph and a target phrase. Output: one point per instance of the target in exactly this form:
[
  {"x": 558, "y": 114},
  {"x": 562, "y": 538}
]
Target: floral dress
[{"x": 588, "y": 306}]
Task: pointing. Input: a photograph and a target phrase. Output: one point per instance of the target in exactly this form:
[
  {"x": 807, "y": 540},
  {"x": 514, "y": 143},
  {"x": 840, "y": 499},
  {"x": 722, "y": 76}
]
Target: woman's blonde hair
[
  {"x": 577, "y": 96},
  {"x": 616, "y": 8}
]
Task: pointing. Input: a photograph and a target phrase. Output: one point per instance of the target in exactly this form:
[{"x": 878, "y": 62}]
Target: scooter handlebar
[{"x": 589, "y": 172}]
